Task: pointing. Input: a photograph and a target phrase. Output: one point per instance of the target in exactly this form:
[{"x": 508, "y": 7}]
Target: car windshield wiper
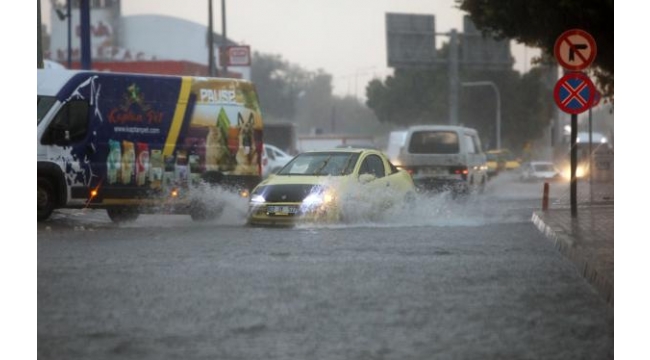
[
  {"x": 347, "y": 163},
  {"x": 317, "y": 171}
]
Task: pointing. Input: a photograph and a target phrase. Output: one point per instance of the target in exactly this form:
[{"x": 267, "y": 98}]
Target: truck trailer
[{"x": 136, "y": 143}]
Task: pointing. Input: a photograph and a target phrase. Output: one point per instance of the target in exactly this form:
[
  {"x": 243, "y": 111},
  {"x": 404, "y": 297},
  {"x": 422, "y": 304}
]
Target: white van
[
  {"x": 273, "y": 159},
  {"x": 396, "y": 141},
  {"x": 444, "y": 157}
]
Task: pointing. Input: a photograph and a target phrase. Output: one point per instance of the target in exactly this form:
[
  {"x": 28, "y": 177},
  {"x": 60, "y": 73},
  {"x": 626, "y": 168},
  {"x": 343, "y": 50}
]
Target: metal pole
[
  {"x": 574, "y": 158},
  {"x": 211, "y": 66},
  {"x": 498, "y": 120},
  {"x": 39, "y": 44},
  {"x": 453, "y": 77},
  {"x": 84, "y": 10},
  {"x": 224, "y": 44},
  {"x": 69, "y": 9},
  {"x": 498, "y": 104},
  {"x": 591, "y": 179}
]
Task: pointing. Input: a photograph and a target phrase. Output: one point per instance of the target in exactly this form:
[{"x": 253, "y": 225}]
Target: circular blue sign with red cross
[{"x": 574, "y": 93}]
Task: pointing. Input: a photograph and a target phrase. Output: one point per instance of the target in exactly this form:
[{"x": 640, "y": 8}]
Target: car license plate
[
  {"x": 432, "y": 171},
  {"x": 281, "y": 210}
]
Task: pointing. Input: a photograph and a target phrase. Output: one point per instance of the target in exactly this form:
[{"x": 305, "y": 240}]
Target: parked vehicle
[
  {"x": 444, "y": 158},
  {"x": 505, "y": 158},
  {"x": 539, "y": 171},
  {"x": 495, "y": 164},
  {"x": 324, "y": 186},
  {"x": 273, "y": 159},
  {"x": 135, "y": 143}
]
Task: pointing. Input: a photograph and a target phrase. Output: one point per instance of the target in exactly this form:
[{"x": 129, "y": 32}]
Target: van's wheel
[
  {"x": 122, "y": 214},
  {"x": 45, "y": 198},
  {"x": 199, "y": 211}
]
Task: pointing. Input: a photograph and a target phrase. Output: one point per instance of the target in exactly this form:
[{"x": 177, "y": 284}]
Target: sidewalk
[{"x": 588, "y": 238}]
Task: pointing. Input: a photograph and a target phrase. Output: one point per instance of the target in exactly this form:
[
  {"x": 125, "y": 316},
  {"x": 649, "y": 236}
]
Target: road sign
[
  {"x": 575, "y": 49},
  {"x": 597, "y": 97},
  {"x": 411, "y": 40},
  {"x": 574, "y": 93},
  {"x": 235, "y": 56}
]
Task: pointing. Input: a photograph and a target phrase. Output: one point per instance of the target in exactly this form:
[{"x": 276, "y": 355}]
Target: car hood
[{"x": 302, "y": 179}]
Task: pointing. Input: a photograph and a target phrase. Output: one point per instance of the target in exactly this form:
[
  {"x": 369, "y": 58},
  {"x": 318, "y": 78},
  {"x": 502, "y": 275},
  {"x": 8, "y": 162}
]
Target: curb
[{"x": 566, "y": 246}]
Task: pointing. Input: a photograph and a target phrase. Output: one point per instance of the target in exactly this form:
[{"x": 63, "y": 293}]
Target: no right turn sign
[{"x": 575, "y": 49}]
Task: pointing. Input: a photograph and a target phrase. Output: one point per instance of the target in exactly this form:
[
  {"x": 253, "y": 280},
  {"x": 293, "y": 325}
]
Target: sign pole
[
  {"x": 574, "y": 93},
  {"x": 574, "y": 160},
  {"x": 591, "y": 162}
]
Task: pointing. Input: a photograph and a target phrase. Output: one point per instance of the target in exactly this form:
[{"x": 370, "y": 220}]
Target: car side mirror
[{"x": 366, "y": 178}]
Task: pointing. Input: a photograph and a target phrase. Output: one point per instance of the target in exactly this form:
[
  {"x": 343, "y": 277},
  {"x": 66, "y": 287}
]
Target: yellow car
[
  {"x": 506, "y": 159},
  {"x": 330, "y": 186},
  {"x": 494, "y": 164}
]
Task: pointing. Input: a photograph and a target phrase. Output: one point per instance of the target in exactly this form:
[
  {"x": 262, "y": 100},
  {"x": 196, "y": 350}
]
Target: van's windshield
[{"x": 44, "y": 105}]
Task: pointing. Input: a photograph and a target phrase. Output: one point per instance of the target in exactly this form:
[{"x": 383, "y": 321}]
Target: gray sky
[{"x": 345, "y": 38}]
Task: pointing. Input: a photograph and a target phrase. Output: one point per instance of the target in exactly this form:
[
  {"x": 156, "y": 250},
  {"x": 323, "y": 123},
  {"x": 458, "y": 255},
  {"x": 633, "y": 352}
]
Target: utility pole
[
  {"x": 224, "y": 43},
  {"x": 39, "y": 42},
  {"x": 84, "y": 10},
  {"x": 453, "y": 77},
  {"x": 211, "y": 66},
  {"x": 69, "y": 16}
]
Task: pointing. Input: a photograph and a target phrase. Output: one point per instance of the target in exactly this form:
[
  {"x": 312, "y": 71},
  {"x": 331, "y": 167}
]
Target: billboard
[
  {"x": 483, "y": 52},
  {"x": 411, "y": 40}
]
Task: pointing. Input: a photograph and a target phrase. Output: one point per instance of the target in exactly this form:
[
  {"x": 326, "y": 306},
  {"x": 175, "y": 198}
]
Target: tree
[
  {"x": 289, "y": 92},
  {"x": 278, "y": 84},
  {"x": 538, "y": 23}
]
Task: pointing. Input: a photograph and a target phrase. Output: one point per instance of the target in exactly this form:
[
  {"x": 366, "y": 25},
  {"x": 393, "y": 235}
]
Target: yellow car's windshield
[{"x": 321, "y": 164}]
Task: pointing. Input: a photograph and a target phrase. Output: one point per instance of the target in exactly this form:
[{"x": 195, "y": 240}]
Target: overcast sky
[{"x": 345, "y": 38}]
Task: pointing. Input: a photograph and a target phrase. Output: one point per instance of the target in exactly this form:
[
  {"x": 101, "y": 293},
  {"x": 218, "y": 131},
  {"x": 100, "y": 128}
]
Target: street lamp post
[{"x": 498, "y": 100}]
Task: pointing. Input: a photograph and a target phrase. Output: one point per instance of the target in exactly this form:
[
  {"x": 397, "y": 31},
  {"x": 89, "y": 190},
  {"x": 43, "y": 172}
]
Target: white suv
[
  {"x": 273, "y": 159},
  {"x": 444, "y": 157}
]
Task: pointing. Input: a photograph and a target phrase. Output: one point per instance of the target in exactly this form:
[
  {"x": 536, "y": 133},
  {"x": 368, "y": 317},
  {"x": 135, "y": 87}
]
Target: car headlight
[
  {"x": 257, "y": 199},
  {"x": 318, "y": 197}
]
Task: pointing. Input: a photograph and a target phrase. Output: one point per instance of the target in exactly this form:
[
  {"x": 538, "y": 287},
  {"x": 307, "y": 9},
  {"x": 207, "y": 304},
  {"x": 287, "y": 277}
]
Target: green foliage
[
  {"x": 277, "y": 83},
  {"x": 538, "y": 23}
]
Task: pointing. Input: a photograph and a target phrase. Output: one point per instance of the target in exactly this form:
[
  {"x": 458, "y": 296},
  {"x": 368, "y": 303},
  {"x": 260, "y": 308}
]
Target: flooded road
[{"x": 445, "y": 280}]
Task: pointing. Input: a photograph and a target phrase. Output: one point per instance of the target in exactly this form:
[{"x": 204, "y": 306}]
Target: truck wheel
[
  {"x": 45, "y": 198},
  {"x": 122, "y": 214},
  {"x": 201, "y": 212}
]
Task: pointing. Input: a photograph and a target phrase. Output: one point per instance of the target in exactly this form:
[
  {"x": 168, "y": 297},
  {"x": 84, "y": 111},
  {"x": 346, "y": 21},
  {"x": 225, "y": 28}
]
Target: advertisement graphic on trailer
[{"x": 149, "y": 133}]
